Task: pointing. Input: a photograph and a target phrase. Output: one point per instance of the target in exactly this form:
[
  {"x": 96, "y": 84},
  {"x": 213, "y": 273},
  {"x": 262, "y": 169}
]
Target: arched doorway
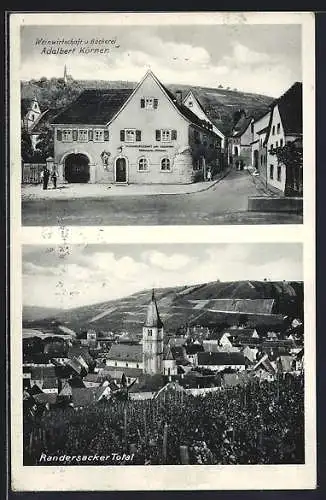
[
  {"x": 77, "y": 168},
  {"x": 121, "y": 174}
]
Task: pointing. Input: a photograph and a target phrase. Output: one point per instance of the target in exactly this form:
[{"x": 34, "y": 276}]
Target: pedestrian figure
[
  {"x": 209, "y": 175},
  {"x": 54, "y": 178},
  {"x": 45, "y": 177}
]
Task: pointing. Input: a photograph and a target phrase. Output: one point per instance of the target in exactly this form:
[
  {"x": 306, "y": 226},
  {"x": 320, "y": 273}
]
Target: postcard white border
[{"x": 165, "y": 477}]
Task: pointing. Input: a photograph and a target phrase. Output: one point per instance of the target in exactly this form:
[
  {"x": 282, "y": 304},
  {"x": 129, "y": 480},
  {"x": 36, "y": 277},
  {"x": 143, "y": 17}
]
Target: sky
[
  {"x": 71, "y": 276},
  {"x": 255, "y": 58}
]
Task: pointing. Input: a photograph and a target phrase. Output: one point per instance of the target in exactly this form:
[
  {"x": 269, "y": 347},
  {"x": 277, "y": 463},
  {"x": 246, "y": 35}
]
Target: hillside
[
  {"x": 208, "y": 304},
  {"x": 219, "y": 103},
  {"x": 33, "y": 313}
]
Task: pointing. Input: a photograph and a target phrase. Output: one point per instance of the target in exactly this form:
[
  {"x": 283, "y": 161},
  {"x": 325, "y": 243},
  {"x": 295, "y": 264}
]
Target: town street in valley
[{"x": 225, "y": 202}]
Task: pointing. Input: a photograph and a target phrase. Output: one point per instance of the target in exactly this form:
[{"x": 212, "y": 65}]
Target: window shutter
[
  {"x": 142, "y": 103},
  {"x": 74, "y": 135},
  {"x": 90, "y": 134},
  {"x": 158, "y": 135},
  {"x": 174, "y": 135},
  {"x": 155, "y": 103},
  {"x": 106, "y": 135},
  {"x": 122, "y": 135},
  {"x": 138, "y": 135},
  {"x": 59, "y": 135}
]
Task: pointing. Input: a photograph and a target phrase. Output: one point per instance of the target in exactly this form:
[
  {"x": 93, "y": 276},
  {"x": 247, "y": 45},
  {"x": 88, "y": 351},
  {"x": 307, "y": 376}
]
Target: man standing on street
[{"x": 46, "y": 176}]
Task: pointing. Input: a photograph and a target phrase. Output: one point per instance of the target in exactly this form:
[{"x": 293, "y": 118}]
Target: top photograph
[{"x": 161, "y": 124}]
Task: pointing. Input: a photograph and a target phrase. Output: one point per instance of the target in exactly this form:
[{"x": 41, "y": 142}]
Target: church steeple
[
  {"x": 153, "y": 319},
  {"x": 65, "y": 74},
  {"x": 153, "y": 340}
]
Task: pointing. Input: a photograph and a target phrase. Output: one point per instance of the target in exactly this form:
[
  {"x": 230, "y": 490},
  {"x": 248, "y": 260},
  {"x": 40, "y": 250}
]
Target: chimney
[{"x": 178, "y": 96}]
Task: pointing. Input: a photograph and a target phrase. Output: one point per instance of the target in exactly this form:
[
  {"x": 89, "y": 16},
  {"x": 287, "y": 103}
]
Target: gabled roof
[
  {"x": 290, "y": 109},
  {"x": 265, "y": 364},
  {"x": 184, "y": 110},
  {"x": 220, "y": 358},
  {"x": 262, "y": 131},
  {"x": 126, "y": 352},
  {"x": 100, "y": 106},
  {"x": 197, "y": 97},
  {"x": 46, "y": 118},
  {"x": 94, "y": 107},
  {"x": 241, "y": 126}
]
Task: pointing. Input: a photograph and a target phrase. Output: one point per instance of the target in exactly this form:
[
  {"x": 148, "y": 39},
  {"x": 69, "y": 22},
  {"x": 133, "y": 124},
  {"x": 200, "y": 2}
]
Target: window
[
  {"x": 165, "y": 164},
  {"x": 281, "y": 143},
  {"x": 190, "y": 104},
  {"x": 166, "y": 135},
  {"x": 149, "y": 103},
  {"x": 279, "y": 173},
  {"x": 130, "y": 135},
  {"x": 66, "y": 135},
  {"x": 276, "y": 145},
  {"x": 261, "y": 160},
  {"x": 272, "y": 146},
  {"x": 273, "y": 130},
  {"x": 271, "y": 171},
  {"x": 137, "y": 365},
  {"x": 98, "y": 135},
  {"x": 115, "y": 363},
  {"x": 278, "y": 128},
  {"x": 196, "y": 137},
  {"x": 127, "y": 365},
  {"x": 143, "y": 164},
  {"x": 82, "y": 135},
  {"x": 32, "y": 117},
  {"x": 149, "y": 332}
]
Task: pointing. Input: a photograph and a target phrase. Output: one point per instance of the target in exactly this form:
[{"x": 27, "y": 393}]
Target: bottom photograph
[{"x": 166, "y": 354}]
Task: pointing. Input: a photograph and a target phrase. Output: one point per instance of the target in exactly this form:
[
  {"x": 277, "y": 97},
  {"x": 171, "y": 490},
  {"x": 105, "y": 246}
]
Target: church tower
[
  {"x": 153, "y": 340},
  {"x": 65, "y": 75}
]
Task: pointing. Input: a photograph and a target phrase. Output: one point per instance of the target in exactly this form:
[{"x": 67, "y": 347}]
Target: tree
[
  {"x": 45, "y": 142},
  {"x": 291, "y": 156},
  {"x": 27, "y": 151}
]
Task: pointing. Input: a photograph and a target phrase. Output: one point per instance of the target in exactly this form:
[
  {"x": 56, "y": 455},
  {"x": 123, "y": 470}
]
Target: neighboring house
[
  {"x": 30, "y": 113},
  {"x": 285, "y": 126},
  {"x": 259, "y": 150},
  {"x": 42, "y": 125},
  {"x": 218, "y": 361},
  {"x": 143, "y": 136},
  {"x": 192, "y": 101},
  {"x": 241, "y": 140},
  {"x": 264, "y": 369}
]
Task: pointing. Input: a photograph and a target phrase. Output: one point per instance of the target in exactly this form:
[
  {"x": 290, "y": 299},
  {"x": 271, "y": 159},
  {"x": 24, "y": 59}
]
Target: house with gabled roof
[
  {"x": 285, "y": 127},
  {"x": 193, "y": 102},
  {"x": 241, "y": 140},
  {"x": 144, "y": 135},
  {"x": 258, "y": 146},
  {"x": 30, "y": 113}
]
